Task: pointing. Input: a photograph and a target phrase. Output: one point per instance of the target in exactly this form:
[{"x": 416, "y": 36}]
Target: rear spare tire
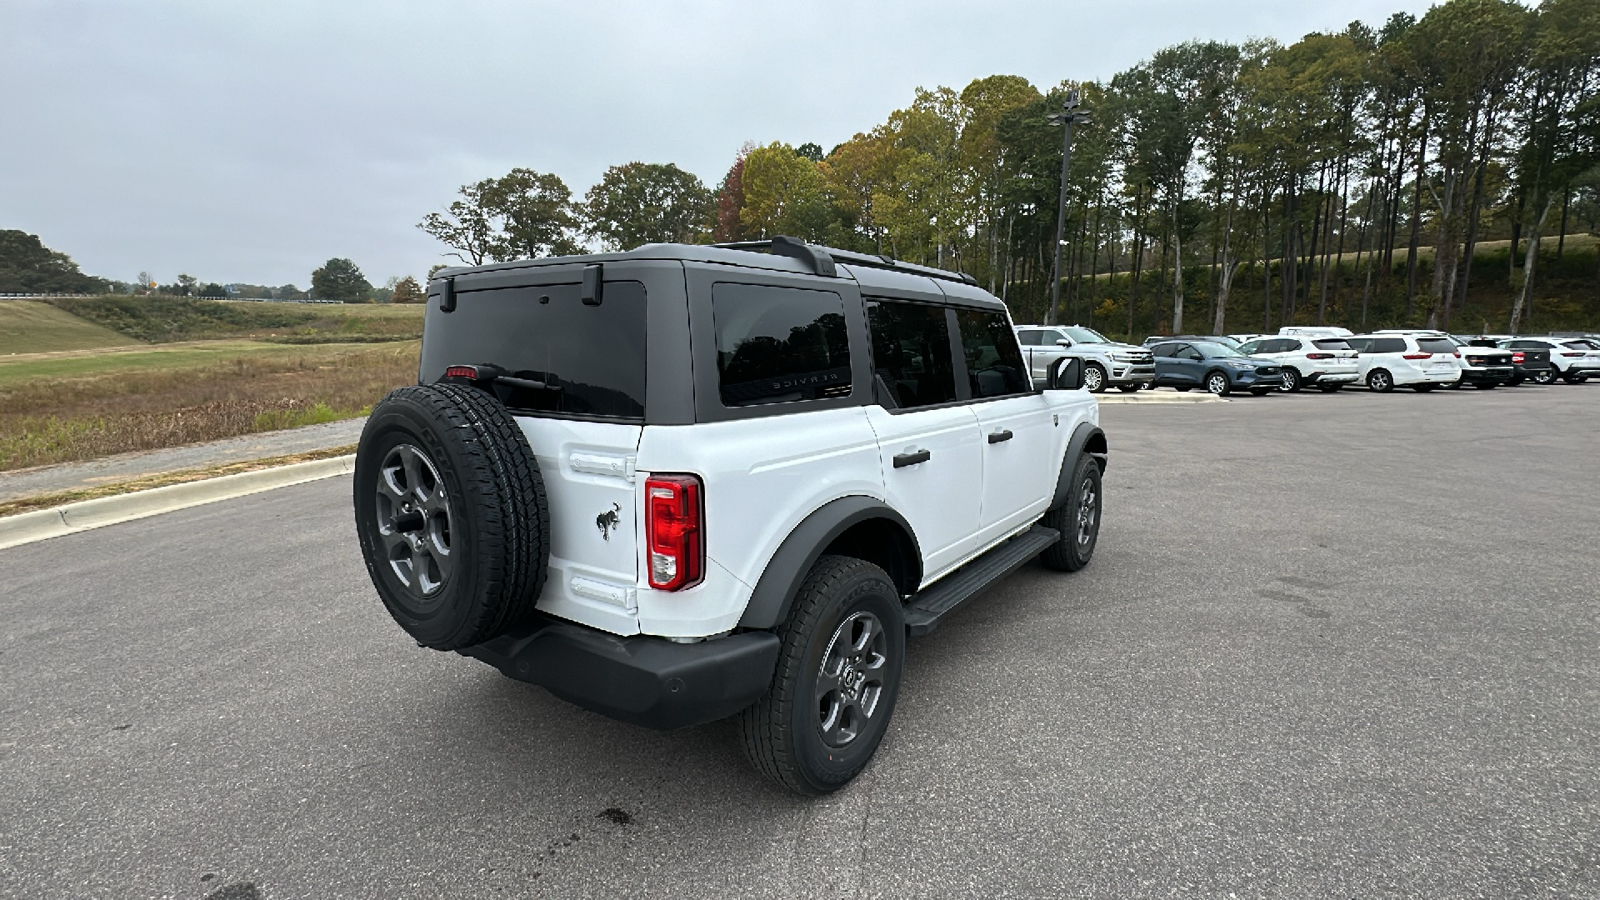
[{"x": 451, "y": 514}]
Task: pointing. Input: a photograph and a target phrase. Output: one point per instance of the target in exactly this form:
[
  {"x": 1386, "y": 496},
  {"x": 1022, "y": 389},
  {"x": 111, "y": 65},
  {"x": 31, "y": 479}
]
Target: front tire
[
  {"x": 1380, "y": 380},
  {"x": 1217, "y": 383},
  {"x": 1129, "y": 388},
  {"x": 1094, "y": 378},
  {"x": 1078, "y": 519},
  {"x": 836, "y": 682}
]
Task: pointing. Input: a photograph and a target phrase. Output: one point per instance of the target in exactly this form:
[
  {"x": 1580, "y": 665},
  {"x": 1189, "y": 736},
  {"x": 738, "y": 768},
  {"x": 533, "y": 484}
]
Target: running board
[{"x": 927, "y": 608}]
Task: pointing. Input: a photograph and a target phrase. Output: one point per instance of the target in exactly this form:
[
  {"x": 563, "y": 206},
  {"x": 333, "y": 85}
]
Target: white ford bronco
[{"x": 683, "y": 483}]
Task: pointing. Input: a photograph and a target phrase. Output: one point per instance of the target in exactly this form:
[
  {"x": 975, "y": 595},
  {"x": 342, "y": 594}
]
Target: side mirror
[
  {"x": 1066, "y": 374},
  {"x": 1063, "y": 342}
]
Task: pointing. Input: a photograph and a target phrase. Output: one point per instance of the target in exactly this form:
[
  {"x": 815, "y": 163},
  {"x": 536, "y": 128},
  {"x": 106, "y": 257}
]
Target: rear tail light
[
  {"x": 1566, "y": 353},
  {"x": 1518, "y": 358},
  {"x": 1417, "y": 356},
  {"x": 674, "y": 514},
  {"x": 1456, "y": 354},
  {"x": 461, "y": 372},
  {"x": 1319, "y": 356}
]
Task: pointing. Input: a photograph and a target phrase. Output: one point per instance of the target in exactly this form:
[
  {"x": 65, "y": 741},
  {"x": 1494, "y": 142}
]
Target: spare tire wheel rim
[
  {"x": 414, "y": 520},
  {"x": 850, "y": 681}
]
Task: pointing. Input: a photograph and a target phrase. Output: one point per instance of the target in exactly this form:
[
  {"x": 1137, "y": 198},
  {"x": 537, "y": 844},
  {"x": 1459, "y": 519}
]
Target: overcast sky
[{"x": 252, "y": 141}]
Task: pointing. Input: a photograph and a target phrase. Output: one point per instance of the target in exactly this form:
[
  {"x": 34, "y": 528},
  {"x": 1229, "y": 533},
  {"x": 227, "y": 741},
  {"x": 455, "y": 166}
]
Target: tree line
[{"x": 1350, "y": 176}]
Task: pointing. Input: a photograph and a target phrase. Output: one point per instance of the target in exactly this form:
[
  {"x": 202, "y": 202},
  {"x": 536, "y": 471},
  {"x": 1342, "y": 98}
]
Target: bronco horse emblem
[{"x": 607, "y": 521}]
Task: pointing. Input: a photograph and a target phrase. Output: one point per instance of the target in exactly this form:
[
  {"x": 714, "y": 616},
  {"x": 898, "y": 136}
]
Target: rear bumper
[
  {"x": 641, "y": 680},
  {"x": 1331, "y": 377}
]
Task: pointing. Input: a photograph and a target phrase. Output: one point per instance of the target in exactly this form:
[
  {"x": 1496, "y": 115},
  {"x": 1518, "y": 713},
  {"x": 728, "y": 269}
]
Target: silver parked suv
[{"x": 1105, "y": 362}]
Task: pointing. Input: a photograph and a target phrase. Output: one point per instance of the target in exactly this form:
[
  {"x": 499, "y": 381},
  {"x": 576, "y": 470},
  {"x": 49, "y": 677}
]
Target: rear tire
[
  {"x": 1380, "y": 380},
  {"x": 451, "y": 514},
  {"x": 1291, "y": 380},
  {"x": 1078, "y": 519},
  {"x": 1544, "y": 376},
  {"x": 836, "y": 682},
  {"x": 1486, "y": 385},
  {"x": 1329, "y": 388},
  {"x": 1423, "y": 388}
]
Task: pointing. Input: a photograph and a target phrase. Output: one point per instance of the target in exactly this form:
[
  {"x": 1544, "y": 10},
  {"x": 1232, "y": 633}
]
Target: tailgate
[{"x": 588, "y": 471}]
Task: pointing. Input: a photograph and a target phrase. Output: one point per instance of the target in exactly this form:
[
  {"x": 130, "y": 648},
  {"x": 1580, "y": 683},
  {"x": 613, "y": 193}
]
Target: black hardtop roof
[{"x": 787, "y": 255}]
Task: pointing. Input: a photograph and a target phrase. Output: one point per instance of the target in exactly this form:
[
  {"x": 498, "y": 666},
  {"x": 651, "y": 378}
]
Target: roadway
[{"x": 1329, "y": 646}]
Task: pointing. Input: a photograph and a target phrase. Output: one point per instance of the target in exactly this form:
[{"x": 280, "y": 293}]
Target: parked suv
[
  {"x": 1329, "y": 363},
  {"x": 1105, "y": 362},
  {"x": 1571, "y": 359},
  {"x": 1420, "y": 362},
  {"x": 1217, "y": 368},
  {"x": 679, "y": 484}
]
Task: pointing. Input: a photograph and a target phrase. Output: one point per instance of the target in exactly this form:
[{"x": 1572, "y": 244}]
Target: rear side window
[
  {"x": 1332, "y": 344},
  {"x": 994, "y": 362},
  {"x": 1030, "y": 338},
  {"x": 1388, "y": 345},
  {"x": 911, "y": 353},
  {"x": 547, "y": 334},
  {"x": 1436, "y": 345},
  {"x": 779, "y": 345}
]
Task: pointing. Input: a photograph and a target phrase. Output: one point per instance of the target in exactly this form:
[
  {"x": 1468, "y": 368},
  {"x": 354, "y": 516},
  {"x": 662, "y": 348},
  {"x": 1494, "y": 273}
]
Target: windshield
[
  {"x": 1211, "y": 350},
  {"x": 1085, "y": 335}
]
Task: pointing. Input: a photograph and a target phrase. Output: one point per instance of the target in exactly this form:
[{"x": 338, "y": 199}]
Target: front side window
[
  {"x": 911, "y": 356},
  {"x": 1252, "y": 347},
  {"x": 1187, "y": 352},
  {"x": 994, "y": 362},
  {"x": 779, "y": 345}
]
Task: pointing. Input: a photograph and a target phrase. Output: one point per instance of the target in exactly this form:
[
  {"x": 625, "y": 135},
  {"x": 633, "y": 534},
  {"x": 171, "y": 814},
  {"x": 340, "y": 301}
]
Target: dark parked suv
[{"x": 1217, "y": 368}]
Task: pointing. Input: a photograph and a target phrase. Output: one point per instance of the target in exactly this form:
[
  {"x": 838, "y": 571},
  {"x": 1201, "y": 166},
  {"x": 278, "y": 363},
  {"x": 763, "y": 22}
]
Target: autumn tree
[{"x": 407, "y": 290}]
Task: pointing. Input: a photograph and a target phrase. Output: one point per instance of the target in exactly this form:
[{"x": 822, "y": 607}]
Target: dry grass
[
  {"x": 124, "y": 402},
  {"x": 184, "y": 476}
]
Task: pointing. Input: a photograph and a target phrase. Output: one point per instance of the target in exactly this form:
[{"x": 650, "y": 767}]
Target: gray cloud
[{"x": 251, "y": 142}]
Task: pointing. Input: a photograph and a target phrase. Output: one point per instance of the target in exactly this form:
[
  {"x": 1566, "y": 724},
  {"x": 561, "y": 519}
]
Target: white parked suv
[
  {"x": 679, "y": 484},
  {"x": 1420, "y": 362},
  {"x": 1105, "y": 362},
  {"x": 1574, "y": 359},
  {"x": 1327, "y": 363}
]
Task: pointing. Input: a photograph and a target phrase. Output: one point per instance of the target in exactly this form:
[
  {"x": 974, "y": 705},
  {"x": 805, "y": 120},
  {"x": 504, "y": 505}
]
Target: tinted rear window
[
  {"x": 779, "y": 345},
  {"x": 593, "y": 355},
  {"x": 1436, "y": 345},
  {"x": 1332, "y": 344}
]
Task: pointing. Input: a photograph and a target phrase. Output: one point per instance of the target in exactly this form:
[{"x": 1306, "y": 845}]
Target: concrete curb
[
  {"x": 86, "y": 514},
  {"x": 1163, "y": 397}
]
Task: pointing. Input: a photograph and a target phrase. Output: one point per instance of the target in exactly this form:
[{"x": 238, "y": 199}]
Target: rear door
[
  {"x": 928, "y": 441},
  {"x": 1018, "y": 439},
  {"x": 584, "y": 431}
]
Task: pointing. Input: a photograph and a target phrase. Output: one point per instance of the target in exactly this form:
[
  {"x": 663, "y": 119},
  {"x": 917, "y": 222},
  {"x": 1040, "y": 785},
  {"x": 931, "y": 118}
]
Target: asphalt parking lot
[{"x": 1330, "y": 646}]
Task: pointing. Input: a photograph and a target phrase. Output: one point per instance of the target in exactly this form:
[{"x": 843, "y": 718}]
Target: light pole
[{"x": 1068, "y": 117}]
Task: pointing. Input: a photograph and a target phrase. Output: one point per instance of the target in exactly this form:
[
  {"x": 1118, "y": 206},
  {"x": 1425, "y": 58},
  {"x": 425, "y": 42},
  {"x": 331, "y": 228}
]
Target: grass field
[
  {"x": 169, "y": 319},
  {"x": 58, "y": 407},
  {"x": 28, "y": 326}
]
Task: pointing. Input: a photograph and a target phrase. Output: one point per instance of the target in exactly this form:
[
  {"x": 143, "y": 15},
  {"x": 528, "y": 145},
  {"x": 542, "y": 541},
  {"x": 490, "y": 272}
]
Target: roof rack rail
[{"x": 822, "y": 258}]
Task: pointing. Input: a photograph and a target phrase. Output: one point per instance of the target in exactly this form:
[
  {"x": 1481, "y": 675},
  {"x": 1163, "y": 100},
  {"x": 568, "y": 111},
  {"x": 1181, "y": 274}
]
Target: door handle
[
  {"x": 996, "y": 437},
  {"x": 901, "y": 460}
]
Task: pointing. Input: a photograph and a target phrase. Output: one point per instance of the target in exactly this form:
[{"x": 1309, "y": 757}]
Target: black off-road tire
[
  {"x": 783, "y": 732},
  {"x": 1078, "y": 534},
  {"x": 497, "y": 539}
]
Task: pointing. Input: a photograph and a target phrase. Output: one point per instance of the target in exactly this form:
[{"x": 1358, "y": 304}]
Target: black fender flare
[
  {"x": 1086, "y": 438},
  {"x": 775, "y": 591}
]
